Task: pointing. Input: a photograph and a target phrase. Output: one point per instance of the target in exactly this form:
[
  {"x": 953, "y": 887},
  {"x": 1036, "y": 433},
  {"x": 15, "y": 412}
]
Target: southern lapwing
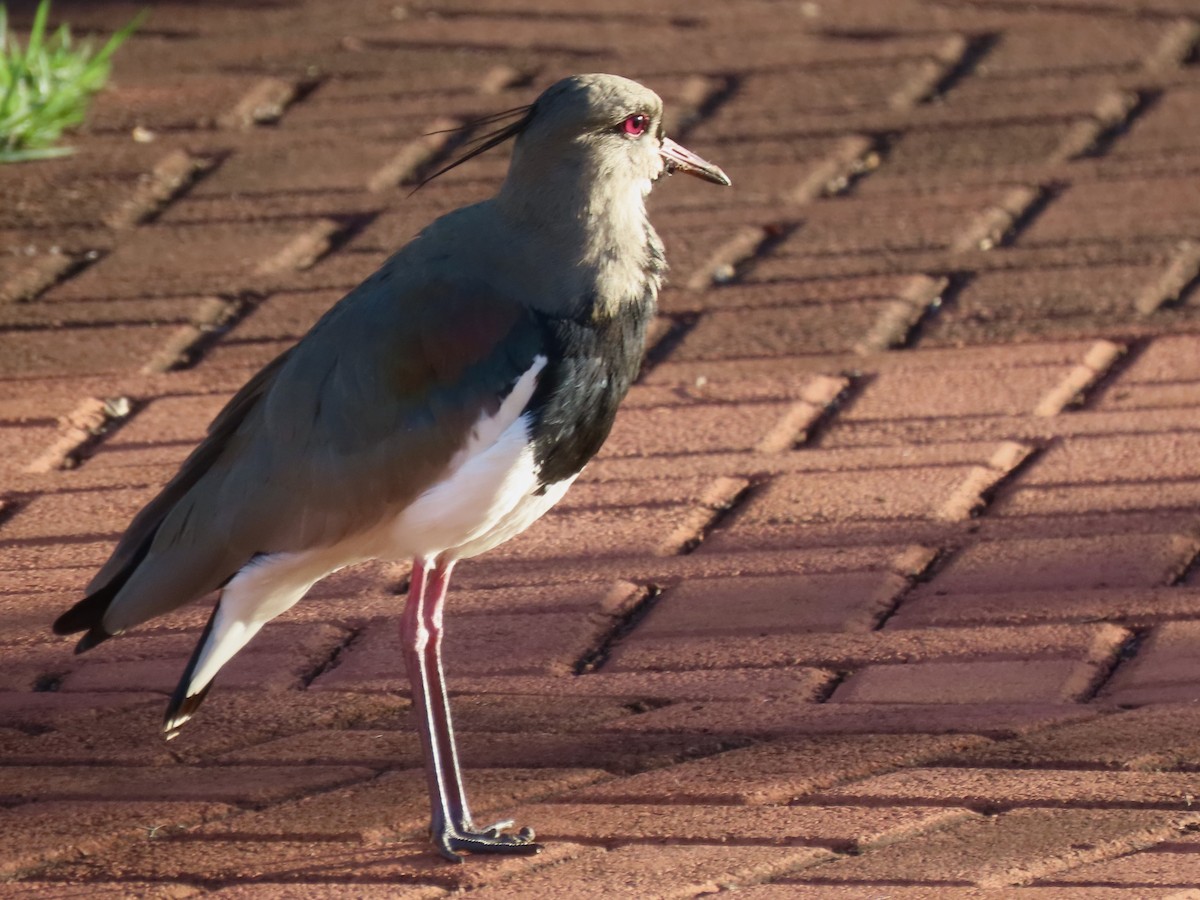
[{"x": 435, "y": 412}]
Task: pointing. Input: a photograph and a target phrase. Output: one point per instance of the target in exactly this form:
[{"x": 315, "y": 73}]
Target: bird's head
[
  {"x": 588, "y": 140},
  {"x": 608, "y": 130}
]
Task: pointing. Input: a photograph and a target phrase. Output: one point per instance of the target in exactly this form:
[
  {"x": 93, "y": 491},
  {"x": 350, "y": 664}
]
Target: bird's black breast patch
[{"x": 591, "y": 365}]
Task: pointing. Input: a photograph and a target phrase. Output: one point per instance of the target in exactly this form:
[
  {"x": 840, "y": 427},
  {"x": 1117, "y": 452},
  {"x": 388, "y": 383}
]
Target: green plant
[{"x": 45, "y": 88}]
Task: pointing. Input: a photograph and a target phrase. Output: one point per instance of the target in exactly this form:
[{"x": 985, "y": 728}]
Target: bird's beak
[{"x": 681, "y": 159}]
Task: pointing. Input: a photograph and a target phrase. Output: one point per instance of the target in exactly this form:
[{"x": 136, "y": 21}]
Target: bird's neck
[{"x": 597, "y": 227}]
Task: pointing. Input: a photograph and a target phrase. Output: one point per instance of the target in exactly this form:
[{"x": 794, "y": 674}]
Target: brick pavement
[{"x": 886, "y": 583}]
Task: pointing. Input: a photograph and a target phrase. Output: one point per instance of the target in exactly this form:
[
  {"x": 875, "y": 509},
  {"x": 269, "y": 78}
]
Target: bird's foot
[{"x": 452, "y": 842}]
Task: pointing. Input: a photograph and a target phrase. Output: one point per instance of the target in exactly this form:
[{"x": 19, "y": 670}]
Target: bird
[{"x": 436, "y": 411}]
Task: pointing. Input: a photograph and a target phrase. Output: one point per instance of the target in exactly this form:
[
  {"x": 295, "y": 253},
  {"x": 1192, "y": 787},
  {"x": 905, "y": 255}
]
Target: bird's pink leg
[
  {"x": 414, "y": 638},
  {"x": 421, "y": 631}
]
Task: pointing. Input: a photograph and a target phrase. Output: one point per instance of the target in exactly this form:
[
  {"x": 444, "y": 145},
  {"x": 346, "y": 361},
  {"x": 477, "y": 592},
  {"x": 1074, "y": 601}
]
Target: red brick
[
  {"x": 789, "y": 501},
  {"x": 788, "y": 888},
  {"x": 1041, "y": 302},
  {"x": 1009, "y": 849},
  {"x": 796, "y": 682},
  {"x": 231, "y": 719},
  {"x": 965, "y": 147},
  {"x": 35, "y": 834},
  {"x": 67, "y": 314},
  {"x": 843, "y": 650},
  {"x": 634, "y": 871},
  {"x": 773, "y": 332},
  {"x": 817, "y": 293},
  {"x": 89, "y": 735},
  {"x": 70, "y": 514},
  {"x": 549, "y": 643},
  {"x": 391, "y": 806},
  {"x": 283, "y": 164},
  {"x": 1165, "y": 668},
  {"x": 1025, "y": 681},
  {"x": 494, "y": 572},
  {"x": 1071, "y": 44},
  {"x": 806, "y": 459},
  {"x": 180, "y": 260},
  {"x": 776, "y": 771},
  {"x": 243, "y": 784},
  {"x": 1168, "y": 358},
  {"x": 264, "y": 665},
  {"x": 929, "y": 606},
  {"x": 853, "y": 225},
  {"x": 181, "y": 420},
  {"x": 692, "y": 429},
  {"x": 1128, "y": 560},
  {"x": 907, "y": 432},
  {"x": 990, "y": 788},
  {"x": 171, "y": 104},
  {"x": 285, "y": 315},
  {"x": 779, "y": 719},
  {"x": 403, "y": 865},
  {"x": 1159, "y": 737},
  {"x": 1142, "y": 396},
  {"x": 833, "y": 826},
  {"x": 763, "y": 605},
  {"x": 478, "y": 750},
  {"x": 77, "y": 192},
  {"x": 1145, "y": 207},
  {"x": 633, "y": 530},
  {"x": 1100, "y": 498},
  {"x": 1116, "y": 458},
  {"x": 1173, "y": 863},
  {"x": 29, "y": 353},
  {"x": 957, "y": 392},
  {"x": 144, "y": 890}
]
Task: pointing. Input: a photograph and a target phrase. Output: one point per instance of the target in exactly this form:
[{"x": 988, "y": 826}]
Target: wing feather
[{"x": 339, "y": 432}]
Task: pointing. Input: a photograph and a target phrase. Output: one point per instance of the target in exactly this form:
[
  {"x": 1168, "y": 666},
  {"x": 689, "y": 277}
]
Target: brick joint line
[
  {"x": 854, "y": 157},
  {"x": 1177, "y": 45},
  {"x": 170, "y": 178},
  {"x": 935, "y": 75},
  {"x": 916, "y": 564},
  {"x": 44, "y": 273},
  {"x": 1072, "y": 389},
  {"x": 699, "y": 99},
  {"x": 975, "y": 492},
  {"x": 898, "y": 319},
  {"x": 1112, "y": 115},
  {"x": 419, "y": 155},
  {"x": 212, "y": 317},
  {"x": 727, "y": 262},
  {"x": 82, "y": 428},
  {"x": 265, "y": 102},
  {"x": 1180, "y": 277}
]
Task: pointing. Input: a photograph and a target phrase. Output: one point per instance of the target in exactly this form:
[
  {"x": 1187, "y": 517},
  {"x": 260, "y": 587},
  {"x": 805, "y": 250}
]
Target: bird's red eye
[{"x": 636, "y": 124}]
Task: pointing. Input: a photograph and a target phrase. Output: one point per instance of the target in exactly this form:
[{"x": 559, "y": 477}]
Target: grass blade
[{"x": 45, "y": 88}]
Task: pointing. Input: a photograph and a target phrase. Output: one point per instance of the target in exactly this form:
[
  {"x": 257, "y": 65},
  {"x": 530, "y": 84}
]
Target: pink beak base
[{"x": 681, "y": 159}]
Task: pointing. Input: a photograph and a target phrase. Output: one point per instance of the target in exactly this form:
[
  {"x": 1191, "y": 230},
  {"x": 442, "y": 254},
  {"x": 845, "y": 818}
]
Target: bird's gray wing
[{"x": 344, "y": 429}]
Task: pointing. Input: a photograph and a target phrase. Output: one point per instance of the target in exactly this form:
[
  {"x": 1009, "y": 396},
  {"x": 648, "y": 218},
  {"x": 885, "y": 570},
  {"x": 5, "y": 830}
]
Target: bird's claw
[{"x": 452, "y": 842}]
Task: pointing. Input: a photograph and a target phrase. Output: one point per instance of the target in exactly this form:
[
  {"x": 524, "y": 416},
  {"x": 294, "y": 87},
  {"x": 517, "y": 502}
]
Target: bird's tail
[
  {"x": 186, "y": 699},
  {"x": 88, "y": 614}
]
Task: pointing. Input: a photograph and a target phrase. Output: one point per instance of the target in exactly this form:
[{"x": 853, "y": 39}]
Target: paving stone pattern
[{"x": 886, "y": 583}]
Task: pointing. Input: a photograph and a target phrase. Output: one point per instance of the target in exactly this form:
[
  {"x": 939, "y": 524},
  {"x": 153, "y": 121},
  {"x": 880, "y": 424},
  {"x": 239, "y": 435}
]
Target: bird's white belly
[
  {"x": 491, "y": 497},
  {"x": 489, "y": 494}
]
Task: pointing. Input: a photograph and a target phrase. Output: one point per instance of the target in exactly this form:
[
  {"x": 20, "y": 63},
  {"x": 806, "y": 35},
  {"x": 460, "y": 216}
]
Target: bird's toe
[{"x": 493, "y": 839}]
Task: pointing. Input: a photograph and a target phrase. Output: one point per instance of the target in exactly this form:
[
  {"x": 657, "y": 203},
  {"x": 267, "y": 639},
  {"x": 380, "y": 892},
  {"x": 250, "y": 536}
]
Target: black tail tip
[
  {"x": 86, "y": 615},
  {"x": 94, "y": 636},
  {"x": 73, "y": 622},
  {"x": 182, "y": 708}
]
